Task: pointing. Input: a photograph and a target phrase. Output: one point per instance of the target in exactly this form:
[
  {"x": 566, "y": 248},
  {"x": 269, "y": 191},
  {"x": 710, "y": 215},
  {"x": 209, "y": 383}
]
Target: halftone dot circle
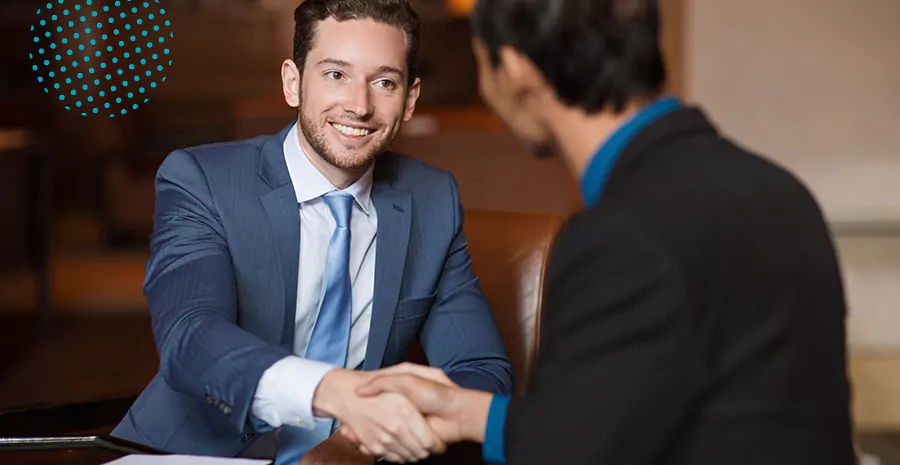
[
  {"x": 78, "y": 103},
  {"x": 96, "y": 110},
  {"x": 118, "y": 99},
  {"x": 128, "y": 65},
  {"x": 56, "y": 86},
  {"x": 102, "y": 93},
  {"x": 124, "y": 111},
  {"x": 90, "y": 99},
  {"x": 135, "y": 106},
  {"x": 62, "y": 97}
]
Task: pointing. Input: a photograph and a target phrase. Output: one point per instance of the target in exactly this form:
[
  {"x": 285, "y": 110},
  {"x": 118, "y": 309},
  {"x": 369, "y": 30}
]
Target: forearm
[{"x": 286, "y": 392}]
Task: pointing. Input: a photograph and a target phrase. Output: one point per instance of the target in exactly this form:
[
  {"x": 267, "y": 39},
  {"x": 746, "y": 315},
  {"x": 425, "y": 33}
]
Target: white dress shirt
[{"x": 285, "y": 392}]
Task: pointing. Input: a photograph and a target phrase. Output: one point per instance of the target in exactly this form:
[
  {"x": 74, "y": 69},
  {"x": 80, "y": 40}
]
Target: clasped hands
[{"x": 403, "y": 413}]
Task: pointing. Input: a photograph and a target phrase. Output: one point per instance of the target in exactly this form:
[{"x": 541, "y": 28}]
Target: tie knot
[{"x": 339, "y": 203}]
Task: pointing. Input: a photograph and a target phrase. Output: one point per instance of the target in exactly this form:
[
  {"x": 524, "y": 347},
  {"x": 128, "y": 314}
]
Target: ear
[
  {"x": 290, "y": 83},
  {"x": 411, "y": 97},
  {"x": 520, "y": 73}
]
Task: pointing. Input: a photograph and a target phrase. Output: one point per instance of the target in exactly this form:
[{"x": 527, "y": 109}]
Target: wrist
[
  {"x": 327, "y": 398},
  {"x": 475, "y": 406}
]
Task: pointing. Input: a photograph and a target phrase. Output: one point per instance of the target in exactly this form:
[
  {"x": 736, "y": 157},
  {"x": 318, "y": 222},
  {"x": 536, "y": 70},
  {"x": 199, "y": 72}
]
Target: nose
[{"x": 358, "y": 101}]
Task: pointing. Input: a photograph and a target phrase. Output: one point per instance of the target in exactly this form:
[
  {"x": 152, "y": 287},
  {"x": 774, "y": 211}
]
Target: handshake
[{"x": 404, "y": 413}]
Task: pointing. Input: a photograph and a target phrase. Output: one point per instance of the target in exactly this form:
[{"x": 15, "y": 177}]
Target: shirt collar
[
  {"x": 597, "y": 173},
  {"x": 311, "y": 184}
]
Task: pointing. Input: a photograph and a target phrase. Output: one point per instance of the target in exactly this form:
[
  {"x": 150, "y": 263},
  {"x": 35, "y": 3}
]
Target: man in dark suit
[
  {"x": 285, "y": 267},
  {"x": 695, "y": 310}
]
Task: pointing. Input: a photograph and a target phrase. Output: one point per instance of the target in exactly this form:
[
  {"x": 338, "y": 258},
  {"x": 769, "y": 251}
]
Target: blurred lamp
[{"x": 460, "y": 7}]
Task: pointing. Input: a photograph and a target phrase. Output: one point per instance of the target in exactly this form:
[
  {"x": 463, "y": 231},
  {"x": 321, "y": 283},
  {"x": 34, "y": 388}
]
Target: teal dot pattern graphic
[{"x": 101, "y": 57}]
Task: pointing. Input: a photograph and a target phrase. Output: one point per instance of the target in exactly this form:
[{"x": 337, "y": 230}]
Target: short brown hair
[{"x": 397, "y": 13}]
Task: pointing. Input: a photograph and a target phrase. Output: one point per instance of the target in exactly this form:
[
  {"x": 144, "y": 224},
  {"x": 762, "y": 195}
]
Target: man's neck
[{"x": 578, "y": 134}]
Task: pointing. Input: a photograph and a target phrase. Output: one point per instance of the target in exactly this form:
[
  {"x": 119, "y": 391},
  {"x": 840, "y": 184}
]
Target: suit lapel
[
  {"x": 280, "y": 205},
  {"x": 393, "y": 207}
]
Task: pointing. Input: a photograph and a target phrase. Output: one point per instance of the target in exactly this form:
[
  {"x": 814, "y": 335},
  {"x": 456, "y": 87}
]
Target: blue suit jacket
[{"x": 221, "y": 283}]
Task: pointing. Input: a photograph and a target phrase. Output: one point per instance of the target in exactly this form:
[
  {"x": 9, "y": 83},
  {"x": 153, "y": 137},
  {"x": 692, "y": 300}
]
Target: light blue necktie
[{"x": 331, "y": 332}]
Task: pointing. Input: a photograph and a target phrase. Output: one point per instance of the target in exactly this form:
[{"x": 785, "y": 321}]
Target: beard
[{"x": 345, "y": 159}]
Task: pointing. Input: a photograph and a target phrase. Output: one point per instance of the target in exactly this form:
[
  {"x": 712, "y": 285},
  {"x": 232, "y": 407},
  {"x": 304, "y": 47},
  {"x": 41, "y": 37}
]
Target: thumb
[{"x": 370, "y": 388}]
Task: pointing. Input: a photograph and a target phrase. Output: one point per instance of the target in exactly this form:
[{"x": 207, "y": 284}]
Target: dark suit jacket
[
  {"x": 695, "y": 315},
  {"x": 222, "y": 288}
]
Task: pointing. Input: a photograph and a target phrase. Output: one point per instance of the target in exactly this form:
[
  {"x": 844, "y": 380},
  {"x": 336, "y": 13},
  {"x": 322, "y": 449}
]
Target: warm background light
[{"x": 460, "y": 7}]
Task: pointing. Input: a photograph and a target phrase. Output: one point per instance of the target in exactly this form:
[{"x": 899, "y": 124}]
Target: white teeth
[{"x": 348, "y": 131}]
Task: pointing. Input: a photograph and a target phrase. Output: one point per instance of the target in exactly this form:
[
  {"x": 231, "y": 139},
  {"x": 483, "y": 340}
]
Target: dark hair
[
  {"x": 594, "y": 53},
  {"x": 397, "y": 13}
]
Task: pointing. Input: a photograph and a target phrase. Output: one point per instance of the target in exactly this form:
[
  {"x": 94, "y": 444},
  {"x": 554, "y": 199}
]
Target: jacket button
[
  {"x": 210, "y": 400},
  {"x": 246, "y": 437},
  {"x": 226, "y": 409}
]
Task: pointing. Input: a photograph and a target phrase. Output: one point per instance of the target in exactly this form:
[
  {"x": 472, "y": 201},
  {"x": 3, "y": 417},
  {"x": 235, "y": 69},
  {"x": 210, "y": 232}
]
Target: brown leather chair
[{"x": 509, "y": 255}]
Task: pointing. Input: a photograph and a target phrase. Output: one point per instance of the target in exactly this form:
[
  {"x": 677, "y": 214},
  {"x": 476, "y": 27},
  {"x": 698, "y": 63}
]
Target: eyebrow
[{"x": 383, "y": 69}]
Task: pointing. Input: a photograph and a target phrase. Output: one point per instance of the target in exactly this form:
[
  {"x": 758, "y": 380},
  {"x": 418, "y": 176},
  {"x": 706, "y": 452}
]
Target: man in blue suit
[{"x": 285, "y": 268}]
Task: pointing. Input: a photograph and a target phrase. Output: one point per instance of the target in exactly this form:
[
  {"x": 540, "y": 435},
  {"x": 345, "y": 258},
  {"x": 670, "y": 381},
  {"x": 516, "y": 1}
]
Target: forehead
[{"x": 363, "y": 43}]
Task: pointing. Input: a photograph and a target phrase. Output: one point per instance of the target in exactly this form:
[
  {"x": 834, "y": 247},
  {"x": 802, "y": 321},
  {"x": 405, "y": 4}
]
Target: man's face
[
  {"x": 353, "y": 91},
  {"x": 511, "y": 97}
]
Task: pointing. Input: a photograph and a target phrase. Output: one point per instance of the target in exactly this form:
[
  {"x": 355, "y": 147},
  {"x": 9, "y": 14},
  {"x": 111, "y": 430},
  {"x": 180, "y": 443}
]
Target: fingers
[
  {"x": 422, "y": 371},
  {"x": 404, "y": 384},
  {"x": 349, "y": 434}
]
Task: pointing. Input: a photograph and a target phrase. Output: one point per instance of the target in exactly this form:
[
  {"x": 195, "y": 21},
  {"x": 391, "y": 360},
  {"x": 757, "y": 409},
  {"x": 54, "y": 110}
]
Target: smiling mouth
[{"x": 351, "y": 131}]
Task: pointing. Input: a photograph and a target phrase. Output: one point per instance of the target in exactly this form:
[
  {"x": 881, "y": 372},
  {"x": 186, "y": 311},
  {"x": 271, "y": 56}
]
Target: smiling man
[{"x": 285, "y": 267}]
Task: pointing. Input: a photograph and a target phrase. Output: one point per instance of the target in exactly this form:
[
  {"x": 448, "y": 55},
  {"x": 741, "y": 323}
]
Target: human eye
[
  {"x": 386, "y": 84},
  {"x": 334, "y": 75}
]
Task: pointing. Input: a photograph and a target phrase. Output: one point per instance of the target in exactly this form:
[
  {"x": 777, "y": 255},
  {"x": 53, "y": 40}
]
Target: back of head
[
  {"x": 396, "y": 13},
  {"x": 596, "y": 54}
]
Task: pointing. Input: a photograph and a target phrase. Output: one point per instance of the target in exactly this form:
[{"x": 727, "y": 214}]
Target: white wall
[{"x": 815, "y": 85}]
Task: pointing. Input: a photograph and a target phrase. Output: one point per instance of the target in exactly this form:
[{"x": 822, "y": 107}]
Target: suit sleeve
[
  {"x": 461, "y": 335},
  {"x": 619, "y": 362},
  {"x": 190, "y": 288}
]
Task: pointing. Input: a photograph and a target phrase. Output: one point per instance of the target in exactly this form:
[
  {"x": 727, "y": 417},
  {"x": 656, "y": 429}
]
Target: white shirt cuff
[{"x": 284, "y": 395}]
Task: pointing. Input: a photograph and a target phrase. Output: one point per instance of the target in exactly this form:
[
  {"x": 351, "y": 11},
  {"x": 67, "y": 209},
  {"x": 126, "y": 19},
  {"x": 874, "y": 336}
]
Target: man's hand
[
  {"x": 454, "y": 413},
  {"x": 336, "y": 450},
  {"x": 387, "y": 425}
]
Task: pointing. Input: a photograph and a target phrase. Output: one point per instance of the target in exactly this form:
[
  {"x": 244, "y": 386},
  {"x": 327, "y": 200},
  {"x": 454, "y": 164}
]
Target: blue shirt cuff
[{"x": 493, "y": 450}]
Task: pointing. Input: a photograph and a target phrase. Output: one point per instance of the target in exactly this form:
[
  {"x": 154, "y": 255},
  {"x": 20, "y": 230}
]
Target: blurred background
[{"x": 812, "y": 84}]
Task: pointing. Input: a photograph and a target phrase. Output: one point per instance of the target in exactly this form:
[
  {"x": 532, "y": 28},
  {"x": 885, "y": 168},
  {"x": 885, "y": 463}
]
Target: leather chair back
[
  {"x": 509, "y": 255},
  {"x": 510, "y": 251}
]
